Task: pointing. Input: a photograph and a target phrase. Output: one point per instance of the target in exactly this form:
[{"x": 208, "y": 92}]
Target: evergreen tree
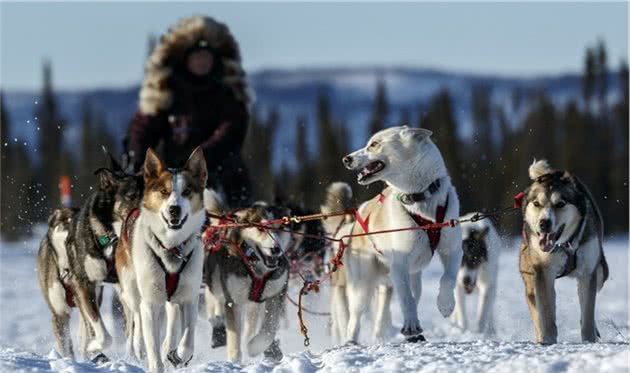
[
  {"x": 380, "y": 109},
  {"x": 50, "y": 145},
  {"x": 258, "y": 152},
  {"x": 602, "y": 79},
  {"x": 87, "y": 163},
  {"x": 588, "y": 77}
]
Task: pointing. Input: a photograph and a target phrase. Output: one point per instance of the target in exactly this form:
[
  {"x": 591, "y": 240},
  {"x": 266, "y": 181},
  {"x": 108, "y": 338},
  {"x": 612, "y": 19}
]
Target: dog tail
[
  {"x": 214, "y": 202},
  {"x": 338, "y": 198}
]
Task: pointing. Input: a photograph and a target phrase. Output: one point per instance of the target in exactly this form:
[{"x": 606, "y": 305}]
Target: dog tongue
[{"x": 546, "y": 241}]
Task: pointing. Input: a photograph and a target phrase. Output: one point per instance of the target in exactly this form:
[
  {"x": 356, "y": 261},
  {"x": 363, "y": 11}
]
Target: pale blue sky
[{"x": 104, "y": 44}]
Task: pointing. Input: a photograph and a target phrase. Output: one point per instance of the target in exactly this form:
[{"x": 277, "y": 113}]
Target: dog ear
[
  {"x": 153, "y": 165},
  {"x": 107, "y": 179},
  {"x": 196, "y": 164},
  {"x": 113, "y": 163},
  {"x": 418, "y": 134}
]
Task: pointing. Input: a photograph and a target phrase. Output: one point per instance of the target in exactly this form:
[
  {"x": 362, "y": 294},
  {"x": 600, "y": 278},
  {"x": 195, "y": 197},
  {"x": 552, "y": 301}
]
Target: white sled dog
[
  {"x": 159, "y": 261},
  {"x": 419, "y": 191},
  {"x": 562, "y": 236},
  {"x": 479, "y": 269}
]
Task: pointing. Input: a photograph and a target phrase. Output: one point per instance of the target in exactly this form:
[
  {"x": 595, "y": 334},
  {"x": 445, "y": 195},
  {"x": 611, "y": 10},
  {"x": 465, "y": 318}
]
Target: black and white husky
[
  {"x": 159, "y": 261},
  {"x": 479, "y": 270},
  {"x": 246, "y": 280},
  {"x": 419, "y": 191},
  {"x": 562, "y": 236}
]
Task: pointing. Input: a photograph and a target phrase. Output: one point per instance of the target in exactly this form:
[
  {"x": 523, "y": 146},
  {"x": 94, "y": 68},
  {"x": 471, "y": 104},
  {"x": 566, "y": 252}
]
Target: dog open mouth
[
  {"x": 175, "y": 224},
  {"x": 548, "y": 240},
  {"x": 370, "y": 170},
  {"x": 269, "y": 261}
]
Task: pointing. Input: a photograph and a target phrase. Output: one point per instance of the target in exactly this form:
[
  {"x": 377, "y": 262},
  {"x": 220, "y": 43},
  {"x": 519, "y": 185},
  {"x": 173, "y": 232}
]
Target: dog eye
[
  {"x": 373, "y": 144},
  {"x": 536, "y": 204},
  {"x": 164, "y": 192},
  {"x": 186, "y": 192},
  {"x": 560, "y": 204}
]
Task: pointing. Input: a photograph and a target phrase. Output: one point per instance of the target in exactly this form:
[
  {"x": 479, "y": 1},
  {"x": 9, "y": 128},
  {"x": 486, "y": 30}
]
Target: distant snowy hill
[{"x": 293, "y": 93}]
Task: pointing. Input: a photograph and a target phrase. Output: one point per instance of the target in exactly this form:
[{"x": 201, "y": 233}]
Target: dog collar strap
[
  {"x": 107, "y": 239},
  {"x": 408, "y": 199}
]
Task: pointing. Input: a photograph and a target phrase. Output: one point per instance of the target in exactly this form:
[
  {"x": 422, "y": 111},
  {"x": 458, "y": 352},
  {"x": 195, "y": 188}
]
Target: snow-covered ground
[{"x": 26, "y": 341}]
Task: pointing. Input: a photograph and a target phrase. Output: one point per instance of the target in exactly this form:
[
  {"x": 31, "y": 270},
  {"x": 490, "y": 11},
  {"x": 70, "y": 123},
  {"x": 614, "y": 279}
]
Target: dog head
[
  {"x": 553, "y": 207},
  {"x": 174, "y": 195},
  {"x": 61, "y": 219},
  {"x": 266, "y": 246},
  {"x": 475, "y": 253},
  {"x": 393, "y": 154}
]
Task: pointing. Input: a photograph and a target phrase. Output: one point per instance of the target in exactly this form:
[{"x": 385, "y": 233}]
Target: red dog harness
[{"x": 434, "y": 233}]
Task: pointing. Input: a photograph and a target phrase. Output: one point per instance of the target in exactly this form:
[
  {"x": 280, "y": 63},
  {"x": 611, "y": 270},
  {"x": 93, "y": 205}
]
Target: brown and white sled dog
[
  {"x": 418, "y": 191},
  {"x": 243, "y": 292},
  {"x": 562, "y": 236},
  {"x": 159, "y": 261},
  {"x": 479, "y": 270}
]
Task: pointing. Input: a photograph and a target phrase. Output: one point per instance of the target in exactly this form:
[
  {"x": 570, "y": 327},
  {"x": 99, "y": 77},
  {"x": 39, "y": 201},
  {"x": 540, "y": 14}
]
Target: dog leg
[
  {"x": 459, "y": 315},
  {"x": 150, "y": 316},
  {"x": 339, "y": 312},
  {"x": 250, "y": 322},
  {"x": 233, "y": 328},
  {"x": 402, "y": 285},
  {"x": 382, "y": 316},
  {"x": 268, "y": 329},
  {"x": 61, "y": 330},
  {"x": 587, "y": 293},
  {"x": 450, "y": 253},
  {"x": 87, "y": 299},
  {"x": 484, "y": 310},
  {"x": 530, "y": 297},
  {"x": 546, "y": 305},
  {"x": 215, "y": 315},
  {"x": 173, "y": 315},
  {"x": 361, "y": 273},
  {"x": 186, "y": 346}
]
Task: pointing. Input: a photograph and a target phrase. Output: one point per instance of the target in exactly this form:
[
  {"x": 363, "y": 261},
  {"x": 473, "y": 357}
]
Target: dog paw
[
  {"x": 416, "y": 339},
  {"x": 176, "y": 360},
  {"x": 219, "y": 336},
  {"x": 100, "y": 359},
  {"x": 273, "y": 352},
  {"x": 411, "y": 329},
  {"x": 446, "y": 302}
]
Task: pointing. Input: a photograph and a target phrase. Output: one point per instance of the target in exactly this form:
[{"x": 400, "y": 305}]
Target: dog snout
[
  {"x": 276, "y": 250},
  {"x": 545, "y": 225},
  {"x": 174, "y": 211},
  {"x": 467, "y": 281},
  {"x": 347, "y": 160}
]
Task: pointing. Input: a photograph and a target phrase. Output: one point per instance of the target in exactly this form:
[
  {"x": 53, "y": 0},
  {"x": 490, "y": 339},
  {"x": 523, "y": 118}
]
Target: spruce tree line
[{"x": 588, "y": 136}]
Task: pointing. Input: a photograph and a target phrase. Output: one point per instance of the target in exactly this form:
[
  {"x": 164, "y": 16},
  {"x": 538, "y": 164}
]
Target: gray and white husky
[
  {"x": 418, "y": 191},
  {"x": 562, "y": 236},
  {"x": 247, "y": 294},
  {"x": 479, "y": 270}
]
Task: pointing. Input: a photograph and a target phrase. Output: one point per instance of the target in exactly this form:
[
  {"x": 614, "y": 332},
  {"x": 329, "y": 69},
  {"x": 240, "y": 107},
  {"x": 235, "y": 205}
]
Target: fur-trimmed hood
[{"x": 156, "y": 93}]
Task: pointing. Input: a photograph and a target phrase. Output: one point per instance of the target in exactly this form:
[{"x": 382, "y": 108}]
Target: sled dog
[
  {"x": 53, "y": 270},
  {"x": 246, "y": 284},
  {"x": 159, "y": 261},
  {"x": 479, "y": 269},
  {"x": 418, "y": 192},
  {"x": 90, "y": 245},
  {"x": 562, "y": 236}
]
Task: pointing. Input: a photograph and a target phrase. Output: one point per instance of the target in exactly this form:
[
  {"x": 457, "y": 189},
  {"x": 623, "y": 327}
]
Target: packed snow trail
[{"x": 26, "y": 339}]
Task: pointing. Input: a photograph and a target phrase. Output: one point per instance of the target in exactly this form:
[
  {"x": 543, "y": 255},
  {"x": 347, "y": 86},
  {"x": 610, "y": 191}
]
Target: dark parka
[{"x": 179, "y": 111}]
